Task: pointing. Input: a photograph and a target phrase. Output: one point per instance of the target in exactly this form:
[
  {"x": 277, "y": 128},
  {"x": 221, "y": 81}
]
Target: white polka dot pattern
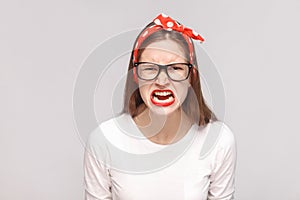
[
  {"x": 164, "y": 15},
  {"x": 157, "y": 21},
  {"x": 195, "y": 33},
  {"x": 146, "y": 32},
  {"x": 163, "y": 21},
  {"x": 170, "y": 24}
]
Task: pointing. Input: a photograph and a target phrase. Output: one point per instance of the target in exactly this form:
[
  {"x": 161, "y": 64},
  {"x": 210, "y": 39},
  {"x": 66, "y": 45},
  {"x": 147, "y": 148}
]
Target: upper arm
[
  {"x": 97, "y": 180},
  {"x": 222, "y": 179}
]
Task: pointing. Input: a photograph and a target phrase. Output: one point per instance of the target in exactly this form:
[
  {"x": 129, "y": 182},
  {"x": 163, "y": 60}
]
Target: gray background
[{"x": 254, "y": 44}]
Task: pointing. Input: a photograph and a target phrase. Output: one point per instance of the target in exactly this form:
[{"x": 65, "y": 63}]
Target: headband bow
[
  {"x": 170, "y": 24},
  {"x": 167, "y": 23}
]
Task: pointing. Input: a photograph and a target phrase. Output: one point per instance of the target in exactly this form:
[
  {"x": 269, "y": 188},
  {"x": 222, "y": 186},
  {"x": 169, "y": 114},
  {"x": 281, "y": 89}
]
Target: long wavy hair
[{"x": 194, "y": 105}]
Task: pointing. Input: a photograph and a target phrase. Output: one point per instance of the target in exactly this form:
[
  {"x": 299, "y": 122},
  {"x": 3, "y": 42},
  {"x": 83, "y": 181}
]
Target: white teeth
[{"x": 162, "y": 93}]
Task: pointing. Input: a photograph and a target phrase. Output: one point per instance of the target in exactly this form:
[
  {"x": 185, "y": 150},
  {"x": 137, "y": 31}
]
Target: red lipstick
[{"x": 162, "y": 97}]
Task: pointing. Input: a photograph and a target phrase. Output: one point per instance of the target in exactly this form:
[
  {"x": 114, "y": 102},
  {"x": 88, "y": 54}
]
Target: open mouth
[{"x": 162, "y": 97}]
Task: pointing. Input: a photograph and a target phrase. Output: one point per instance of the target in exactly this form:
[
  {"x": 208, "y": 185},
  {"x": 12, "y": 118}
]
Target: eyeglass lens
[{"x": 176, "y": 71}]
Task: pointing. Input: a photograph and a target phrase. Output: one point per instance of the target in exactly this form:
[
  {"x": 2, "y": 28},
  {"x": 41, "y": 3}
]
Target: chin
[{"x": 164, "y": 110}]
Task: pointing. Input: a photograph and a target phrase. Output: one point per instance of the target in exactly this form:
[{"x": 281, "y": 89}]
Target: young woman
[{"x": 154, "y": 149}]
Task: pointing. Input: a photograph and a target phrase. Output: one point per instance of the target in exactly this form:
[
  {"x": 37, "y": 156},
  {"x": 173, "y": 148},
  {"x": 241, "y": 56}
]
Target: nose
[{"x": 162, "y": 78}]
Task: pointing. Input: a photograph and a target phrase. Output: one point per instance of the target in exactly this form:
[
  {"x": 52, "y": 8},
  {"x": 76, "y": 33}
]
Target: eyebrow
[{"x": 173, "y": 59}]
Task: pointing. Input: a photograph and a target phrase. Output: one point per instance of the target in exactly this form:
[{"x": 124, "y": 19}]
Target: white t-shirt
[{"x": 121, "y": 164}]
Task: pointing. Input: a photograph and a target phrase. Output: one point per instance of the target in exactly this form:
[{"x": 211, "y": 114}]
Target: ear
[
  {"x": 135, "y": 76},
  {"x": 195, "y": 71}
]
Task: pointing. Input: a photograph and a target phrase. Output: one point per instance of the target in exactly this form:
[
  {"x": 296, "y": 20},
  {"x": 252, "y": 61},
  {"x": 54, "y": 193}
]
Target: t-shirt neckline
[{"x": 132, "y": 125}]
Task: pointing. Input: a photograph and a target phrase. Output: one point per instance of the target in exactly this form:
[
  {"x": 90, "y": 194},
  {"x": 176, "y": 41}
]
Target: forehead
[{"x": 164, "y": 51}]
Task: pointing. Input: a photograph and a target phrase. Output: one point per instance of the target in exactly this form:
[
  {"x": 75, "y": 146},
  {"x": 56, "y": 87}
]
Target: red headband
[{"x": 163, "y": 21}]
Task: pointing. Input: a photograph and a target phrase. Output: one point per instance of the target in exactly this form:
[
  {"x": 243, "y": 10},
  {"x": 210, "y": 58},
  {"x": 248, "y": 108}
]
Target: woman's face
[{"x": 162, "y": 95}]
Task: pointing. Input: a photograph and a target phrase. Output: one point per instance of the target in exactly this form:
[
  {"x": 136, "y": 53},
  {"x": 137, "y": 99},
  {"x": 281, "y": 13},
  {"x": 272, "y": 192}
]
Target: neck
[{"x": 163, "y": 129}]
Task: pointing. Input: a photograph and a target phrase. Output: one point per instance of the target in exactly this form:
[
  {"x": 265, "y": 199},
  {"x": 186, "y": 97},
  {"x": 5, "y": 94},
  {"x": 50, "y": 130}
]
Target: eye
[
  {"x": 178, "y": 67},
  {"x": 148, "y": 67}
]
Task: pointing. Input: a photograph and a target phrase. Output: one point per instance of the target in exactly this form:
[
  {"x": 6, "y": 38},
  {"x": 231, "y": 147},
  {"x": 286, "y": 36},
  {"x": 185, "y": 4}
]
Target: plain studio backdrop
[{"x": 43, "y": 45}]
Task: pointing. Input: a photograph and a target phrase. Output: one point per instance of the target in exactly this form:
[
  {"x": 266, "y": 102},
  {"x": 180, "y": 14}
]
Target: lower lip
[{"x": 163, "y": 104}]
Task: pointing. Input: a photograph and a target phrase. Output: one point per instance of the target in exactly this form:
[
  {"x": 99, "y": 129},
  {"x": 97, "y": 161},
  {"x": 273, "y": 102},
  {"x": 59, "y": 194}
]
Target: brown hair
[{"x": 194, "y": 104}]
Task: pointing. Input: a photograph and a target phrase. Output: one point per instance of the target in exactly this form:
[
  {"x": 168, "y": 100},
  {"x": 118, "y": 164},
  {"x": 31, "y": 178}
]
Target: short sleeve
[
  {"x": 222, "y": 179},
  {"x": 97, "y": 180}
]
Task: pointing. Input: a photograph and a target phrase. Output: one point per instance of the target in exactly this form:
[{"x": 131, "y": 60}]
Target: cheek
[
  {"x": 144, "y": 91},
  {"x": 182, "y": 91},
  {"x": 184, "y": 95}
]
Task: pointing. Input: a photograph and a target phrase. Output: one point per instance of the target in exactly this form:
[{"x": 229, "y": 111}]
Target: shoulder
[
  {"x": 226, "y": 137},
  {"x": 97, "y": 135},
  {"x": 111, "y": 130},
  {"x": 218, "y": 137}
]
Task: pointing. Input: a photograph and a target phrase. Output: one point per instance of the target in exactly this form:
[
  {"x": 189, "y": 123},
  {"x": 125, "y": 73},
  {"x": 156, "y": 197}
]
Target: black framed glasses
[{"x": 175, "y": 71}]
